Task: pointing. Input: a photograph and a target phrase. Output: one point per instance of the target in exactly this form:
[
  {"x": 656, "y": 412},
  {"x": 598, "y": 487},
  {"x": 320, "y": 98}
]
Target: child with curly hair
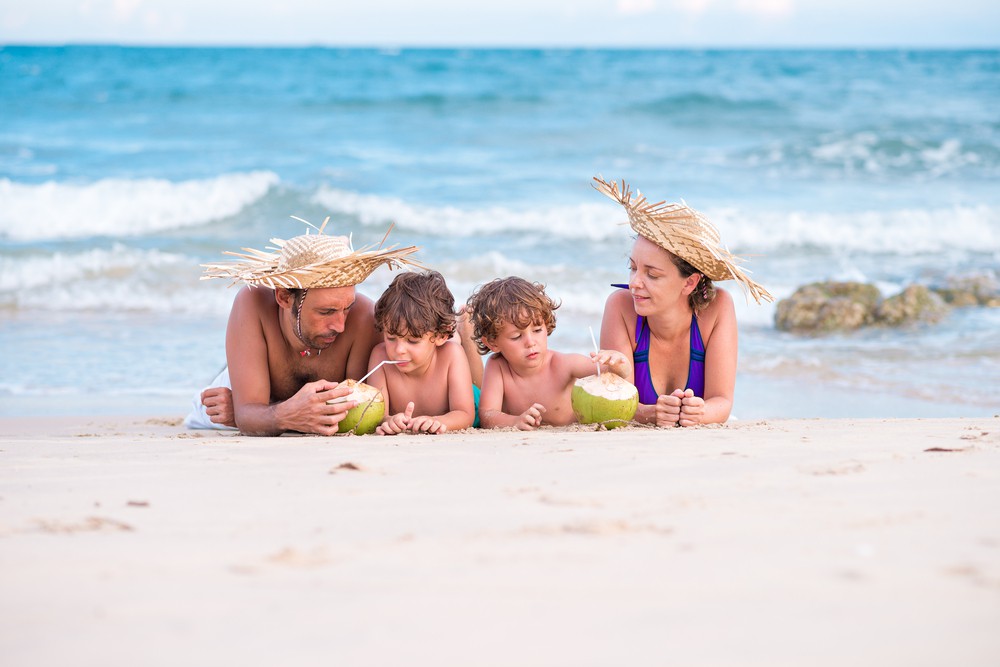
[{"x": 525, "y": 384}]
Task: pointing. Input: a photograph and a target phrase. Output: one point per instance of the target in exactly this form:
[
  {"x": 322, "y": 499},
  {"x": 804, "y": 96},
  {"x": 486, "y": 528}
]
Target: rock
[
  {"x": 971, "y": 291},
  {"x": 827, "y": 307},
  {"x": 914, "y": 304}
]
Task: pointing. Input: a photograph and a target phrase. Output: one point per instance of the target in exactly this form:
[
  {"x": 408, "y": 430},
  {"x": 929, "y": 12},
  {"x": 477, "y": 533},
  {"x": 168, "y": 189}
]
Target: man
[{"x": 296, "y": 331}]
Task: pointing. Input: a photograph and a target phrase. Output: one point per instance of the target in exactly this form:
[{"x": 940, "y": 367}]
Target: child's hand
[
  {"x": 692, "y": 409},
  {"x": 531, "y": 418},
  {"x": 668, "y": 408},
  {"x": 612, "y": 359},
  {"x": 426, "y": 425},
  {"x": 397, "y": 423}
]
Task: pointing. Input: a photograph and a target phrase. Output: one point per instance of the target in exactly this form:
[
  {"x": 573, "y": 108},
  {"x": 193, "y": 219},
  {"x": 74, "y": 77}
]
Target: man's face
[{"x": 324, "y": 315}]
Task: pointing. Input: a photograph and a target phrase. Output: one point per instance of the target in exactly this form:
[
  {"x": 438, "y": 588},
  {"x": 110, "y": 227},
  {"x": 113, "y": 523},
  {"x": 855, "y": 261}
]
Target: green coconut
[
  {"x": 364, "y": 417},
  {"x": 604, "y": 399}
]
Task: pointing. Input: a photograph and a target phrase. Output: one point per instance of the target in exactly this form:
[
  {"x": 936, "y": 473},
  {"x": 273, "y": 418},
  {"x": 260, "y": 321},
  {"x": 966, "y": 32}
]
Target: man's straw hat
[
  {"x": 684, "y": 232},
  {"x": 309, "y": 261}
]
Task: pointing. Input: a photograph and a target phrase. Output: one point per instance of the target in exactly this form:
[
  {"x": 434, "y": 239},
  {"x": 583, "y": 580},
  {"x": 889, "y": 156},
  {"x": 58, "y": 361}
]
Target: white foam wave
[
  {"x": 899, "y": 231},
  {"x": 585, "y": 221},
  {"x": 112, "y": 279},
  {"x": 122, "y": 207}
]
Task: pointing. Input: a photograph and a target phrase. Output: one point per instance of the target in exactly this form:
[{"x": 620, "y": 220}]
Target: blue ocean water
[{"x": 123, "y": 169}]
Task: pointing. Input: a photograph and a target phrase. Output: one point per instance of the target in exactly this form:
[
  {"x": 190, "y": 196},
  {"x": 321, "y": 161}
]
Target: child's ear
[
  {"x": 491, "y": 344},
  {"x": 441, "y": 339}
]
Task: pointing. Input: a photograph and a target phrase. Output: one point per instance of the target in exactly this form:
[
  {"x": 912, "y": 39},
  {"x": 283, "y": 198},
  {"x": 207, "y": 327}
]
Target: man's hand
[
  {"x": 308, "y": 411},
  {"x": 531, "y": 418},
  {"x": 218, "y": 402}
]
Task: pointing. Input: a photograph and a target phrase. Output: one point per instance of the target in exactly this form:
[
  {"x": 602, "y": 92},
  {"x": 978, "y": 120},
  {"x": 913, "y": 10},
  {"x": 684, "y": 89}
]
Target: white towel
[{"x": 198, "y": 417}]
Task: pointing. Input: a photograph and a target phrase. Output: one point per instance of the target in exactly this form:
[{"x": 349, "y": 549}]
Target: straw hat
[
  {"x": 684, "y": 232},
  {"x": 310, "y": 261}
]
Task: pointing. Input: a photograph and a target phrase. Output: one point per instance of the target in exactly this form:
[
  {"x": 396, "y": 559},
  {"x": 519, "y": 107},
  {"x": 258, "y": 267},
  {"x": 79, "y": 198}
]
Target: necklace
[{"x": 298, "y": 328}]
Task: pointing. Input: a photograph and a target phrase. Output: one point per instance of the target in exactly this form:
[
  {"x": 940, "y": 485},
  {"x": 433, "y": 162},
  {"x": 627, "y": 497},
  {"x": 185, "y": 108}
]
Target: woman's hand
[
  {"x": 692, "y": 409},
  {"x": 668, "y": 408}
]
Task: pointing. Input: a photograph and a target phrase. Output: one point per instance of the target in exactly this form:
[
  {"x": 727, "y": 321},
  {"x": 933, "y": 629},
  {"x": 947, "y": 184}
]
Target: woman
[{"x": 679, "y": 329}]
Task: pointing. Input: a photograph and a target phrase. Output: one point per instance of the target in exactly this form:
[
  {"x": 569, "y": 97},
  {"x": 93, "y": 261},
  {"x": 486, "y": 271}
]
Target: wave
[
  {"x": 870, "y": 153},
  {"x": 583, "y": 221},
  {"x": 115, "y": 279},
  {"x": 121, "y": 207},
  {"x": 899, "y": 231},
  {"x": 904, "y": 232}
]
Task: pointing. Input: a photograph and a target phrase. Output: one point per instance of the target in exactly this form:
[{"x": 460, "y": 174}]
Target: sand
[{"x": 129, "y": 541}]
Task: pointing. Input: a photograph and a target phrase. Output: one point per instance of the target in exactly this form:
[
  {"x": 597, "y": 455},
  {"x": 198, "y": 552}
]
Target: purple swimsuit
[{"x": 640, "y": 357}]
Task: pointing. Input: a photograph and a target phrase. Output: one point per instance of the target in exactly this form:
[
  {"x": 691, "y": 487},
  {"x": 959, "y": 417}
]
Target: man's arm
[
  {"x": 246, "y": 354},
  {"x": 361, "y": 328}
]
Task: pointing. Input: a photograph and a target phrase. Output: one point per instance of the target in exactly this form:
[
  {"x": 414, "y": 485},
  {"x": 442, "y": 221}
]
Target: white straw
[
  {"x": 596, "y": 349},
  {"x": 377, "y": 366}
]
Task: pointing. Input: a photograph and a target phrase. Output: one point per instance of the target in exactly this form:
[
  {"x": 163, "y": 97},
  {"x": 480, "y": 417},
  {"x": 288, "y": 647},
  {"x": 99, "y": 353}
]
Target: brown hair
[
  {"x": 513, "y": 300},
  {"x": 416, "y": 303},
  {"x": 703, "y": 293}
]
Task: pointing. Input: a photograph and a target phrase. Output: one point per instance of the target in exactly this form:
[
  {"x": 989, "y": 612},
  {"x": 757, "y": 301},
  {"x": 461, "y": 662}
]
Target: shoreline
[{"x": 131, "y": 540}]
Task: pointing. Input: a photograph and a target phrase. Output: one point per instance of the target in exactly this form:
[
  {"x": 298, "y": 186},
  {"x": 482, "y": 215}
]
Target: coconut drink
[
  {"x": 604, "y": 399},
  {"x": 365, "y": 417}
]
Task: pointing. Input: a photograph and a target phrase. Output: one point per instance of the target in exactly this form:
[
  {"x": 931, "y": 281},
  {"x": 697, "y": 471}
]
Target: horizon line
[{"x": 504, "y": 47}]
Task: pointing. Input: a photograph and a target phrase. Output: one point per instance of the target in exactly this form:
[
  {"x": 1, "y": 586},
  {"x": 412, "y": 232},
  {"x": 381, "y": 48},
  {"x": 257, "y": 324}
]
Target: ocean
[{"x": 124, "y": 169}]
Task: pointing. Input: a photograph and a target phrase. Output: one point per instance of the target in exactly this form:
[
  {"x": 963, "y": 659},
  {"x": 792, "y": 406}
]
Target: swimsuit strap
[
  {"x": 640, "y": 360},
  {"x": 696, "y": 367}
]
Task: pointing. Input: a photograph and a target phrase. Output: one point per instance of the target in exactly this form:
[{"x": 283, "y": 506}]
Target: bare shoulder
[
  {"x": 721, "y": 305},
  {"x": 254, "y": 302},
  {"x": 362, "y": 313},
  {"x": 378, "y": 355},
  {"x": 620, "y": 301},
  {"x": 451, "y": 351},
  {"x": 497, "y": 363},
  {"x": 720, "y": 312}
]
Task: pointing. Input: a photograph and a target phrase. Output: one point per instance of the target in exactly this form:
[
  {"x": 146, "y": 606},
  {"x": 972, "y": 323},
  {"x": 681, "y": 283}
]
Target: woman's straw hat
[
  {"x": 310, "y": 261},
  {"x": 684, "y": 232}
]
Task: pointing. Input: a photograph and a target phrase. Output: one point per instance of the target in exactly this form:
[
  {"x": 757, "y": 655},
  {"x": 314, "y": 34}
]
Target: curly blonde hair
[{"x": 513, "y": 300}]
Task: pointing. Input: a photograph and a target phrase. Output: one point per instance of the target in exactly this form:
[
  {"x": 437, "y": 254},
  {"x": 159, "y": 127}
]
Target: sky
[{"x": 552, "y": 23}]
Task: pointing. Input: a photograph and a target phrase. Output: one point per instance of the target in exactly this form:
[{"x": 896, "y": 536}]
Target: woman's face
[{"x": 654, "y": 281}]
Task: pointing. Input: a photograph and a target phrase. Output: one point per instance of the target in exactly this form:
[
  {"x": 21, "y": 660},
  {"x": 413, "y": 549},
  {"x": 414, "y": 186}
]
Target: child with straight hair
[
  {"x": 525, "y": 384},
  {"x": 428, "y": 388}
]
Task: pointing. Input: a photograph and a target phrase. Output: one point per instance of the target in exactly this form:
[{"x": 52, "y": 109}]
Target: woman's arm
[
  {"x": 720, "y": 366},
  {"x": 618, "y": 333}
]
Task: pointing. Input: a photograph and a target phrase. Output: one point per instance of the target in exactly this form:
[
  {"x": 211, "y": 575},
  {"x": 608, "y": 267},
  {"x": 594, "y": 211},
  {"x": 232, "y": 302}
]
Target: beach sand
[{"x": 132, "y": 541}]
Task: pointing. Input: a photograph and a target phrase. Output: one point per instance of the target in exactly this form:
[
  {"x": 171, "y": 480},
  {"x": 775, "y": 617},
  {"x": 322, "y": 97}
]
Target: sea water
[{"x": 124, "y": 169}]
